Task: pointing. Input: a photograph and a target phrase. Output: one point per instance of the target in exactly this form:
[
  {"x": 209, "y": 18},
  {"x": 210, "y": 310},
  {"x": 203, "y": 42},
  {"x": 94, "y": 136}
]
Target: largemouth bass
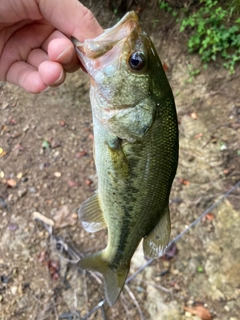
[{"x": 136, "y": 149}]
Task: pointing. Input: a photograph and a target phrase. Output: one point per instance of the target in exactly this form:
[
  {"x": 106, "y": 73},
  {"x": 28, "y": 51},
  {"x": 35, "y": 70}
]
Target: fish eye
[{"x": 137, "y": 60}]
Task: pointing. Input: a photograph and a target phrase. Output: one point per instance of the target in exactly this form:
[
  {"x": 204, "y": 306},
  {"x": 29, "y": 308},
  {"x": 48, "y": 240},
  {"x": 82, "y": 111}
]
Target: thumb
[{"x": 70, "y": 17}]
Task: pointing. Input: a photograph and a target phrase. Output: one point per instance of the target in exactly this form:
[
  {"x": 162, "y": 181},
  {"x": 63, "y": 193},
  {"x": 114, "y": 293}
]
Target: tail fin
[{"x": 114, "y": 278}]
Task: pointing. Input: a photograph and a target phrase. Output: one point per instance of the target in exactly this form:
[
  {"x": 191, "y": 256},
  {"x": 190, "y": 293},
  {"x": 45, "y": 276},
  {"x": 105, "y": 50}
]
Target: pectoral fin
[
  {"x": 157, "y": 240},
  {"x": 91, "y": 214},
  {"x": 118, "y": 157}
]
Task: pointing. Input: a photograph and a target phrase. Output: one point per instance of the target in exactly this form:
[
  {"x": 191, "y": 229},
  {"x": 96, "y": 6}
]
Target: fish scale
[{"x": 136, "y": 149}]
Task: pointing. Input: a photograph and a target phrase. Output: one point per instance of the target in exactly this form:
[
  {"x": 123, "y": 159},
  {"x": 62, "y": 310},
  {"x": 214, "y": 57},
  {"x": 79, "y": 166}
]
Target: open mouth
[{"x": 92, "y": 49}]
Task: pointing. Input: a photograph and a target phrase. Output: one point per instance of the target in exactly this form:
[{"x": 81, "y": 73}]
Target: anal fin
[
  {"x": 91, "y": 214},
  {"x": 155, "y": 243}
]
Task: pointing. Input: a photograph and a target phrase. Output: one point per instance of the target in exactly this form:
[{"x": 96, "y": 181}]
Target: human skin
[{"x": 35, "y": 50}]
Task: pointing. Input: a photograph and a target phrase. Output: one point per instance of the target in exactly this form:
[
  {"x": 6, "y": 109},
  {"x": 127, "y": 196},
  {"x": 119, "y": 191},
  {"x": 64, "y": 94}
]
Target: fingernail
[
  {"x": 64, "y": 54},
  {"x": 46, "y": 89},
  {"x": 60, "y": 79}
]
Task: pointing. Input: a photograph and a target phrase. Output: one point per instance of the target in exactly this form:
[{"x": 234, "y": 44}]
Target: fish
[{"x": 135, "y": 149}]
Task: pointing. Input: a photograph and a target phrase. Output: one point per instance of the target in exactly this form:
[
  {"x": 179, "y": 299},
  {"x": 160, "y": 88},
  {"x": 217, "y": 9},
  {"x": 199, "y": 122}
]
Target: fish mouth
[{"x": 91, "y": 49}]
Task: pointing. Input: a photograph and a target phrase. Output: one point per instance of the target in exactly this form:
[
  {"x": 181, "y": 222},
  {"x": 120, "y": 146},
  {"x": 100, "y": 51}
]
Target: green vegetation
[
  {"x": 200, "y": 269},
  {"x": 214, "y": 31}
]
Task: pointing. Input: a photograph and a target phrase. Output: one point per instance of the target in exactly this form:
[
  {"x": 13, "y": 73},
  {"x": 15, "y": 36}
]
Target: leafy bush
[{"x": 212, "y": 33}]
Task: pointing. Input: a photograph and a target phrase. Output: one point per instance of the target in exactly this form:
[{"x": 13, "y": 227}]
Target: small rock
[
  {"x": 3, "y": 203},
  {"x": 57, "y": 174},
  {"x": 13, "y": 290},
  {"x": 26, "y": 128},
  {"x": 56, "y": 154},
  {"x": 75, "y": 216},
  {"x": 19, "y": 176},
  {"x": 5, "y": 104},
  {"x": 32, "y": 190},
  {"x": 12, "y": 226},
  {"x": 226, "y": 308},
  {"x": 188, "y": 314},
  {"x": 22, "y": 192},
  {"x": 4, "y": 279}
]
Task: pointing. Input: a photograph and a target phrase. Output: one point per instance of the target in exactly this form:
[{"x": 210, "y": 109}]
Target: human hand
[{"x": 34, "y": 45}]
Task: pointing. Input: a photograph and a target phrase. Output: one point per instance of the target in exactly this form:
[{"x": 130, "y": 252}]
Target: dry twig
[{"x": 135, "y": 302}]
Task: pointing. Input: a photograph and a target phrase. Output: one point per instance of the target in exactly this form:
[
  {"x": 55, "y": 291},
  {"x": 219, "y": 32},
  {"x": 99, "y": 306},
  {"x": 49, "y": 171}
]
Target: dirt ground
[{"x": 46, "y": 166}]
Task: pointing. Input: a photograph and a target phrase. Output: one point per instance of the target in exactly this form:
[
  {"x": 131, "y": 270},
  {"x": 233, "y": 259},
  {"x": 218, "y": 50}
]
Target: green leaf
[
  {"x": 200, "y": 269},
  {"x": 45, "y": 144}
]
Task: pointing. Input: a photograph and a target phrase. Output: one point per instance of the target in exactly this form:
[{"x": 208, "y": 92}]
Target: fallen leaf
[
  {"x": 53, "y": 267},
  {"x": 184, "y": 182},
  {"x": 62, "y": 123},
  {"x": 55, "y": 144},
  {"x": 210, "y": 216},
  {"x": 226, "y": 171},
  {"x": 214, "y": 139},
  {"x": 2, "y": 152},
  {"x": 170, "y": 252},
  {"x": 43, "y": 256},
  {"x": 16, "y": 135},
  {"x": 18, "y": 147},
  {"x": 45, "y": 144},
  {"x": 91, "y": 137},
  {"x": 72, "y": 183},
  {"x": 12, "y": 121},
  {"x": 200, "y": 311},
  {"x": 11, "y": 183},
  {"x": 176, "y": 287},
  {"x": 199, "y": 135},
  {"x": 64, "y": 218},
  {"x": 88, "y": 182},
  {"x": 81, "y": 154},
  {"x": 165, "y": 67}
]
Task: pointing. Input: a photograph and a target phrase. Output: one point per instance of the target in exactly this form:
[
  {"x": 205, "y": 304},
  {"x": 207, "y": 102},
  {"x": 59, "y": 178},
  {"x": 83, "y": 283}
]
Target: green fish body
[{"x": 136, "y": 149}]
